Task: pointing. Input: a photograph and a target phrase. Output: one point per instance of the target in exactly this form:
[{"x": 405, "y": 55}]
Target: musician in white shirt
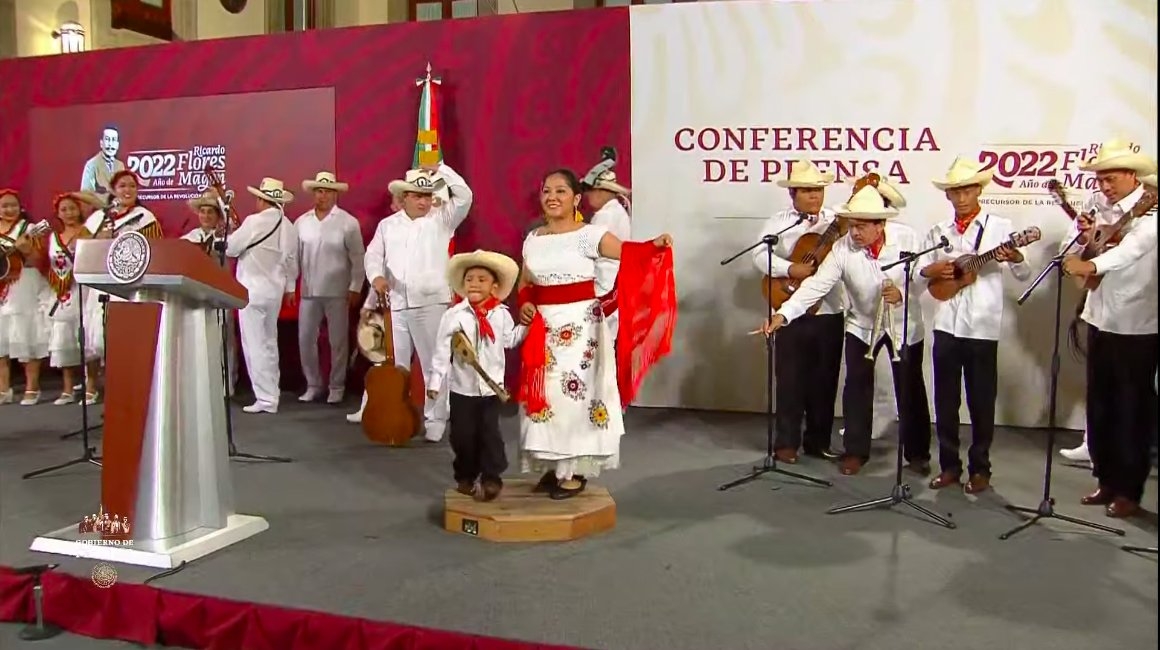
[
  {"x": 406, "y": 264},
  {"x": 210, "y": 236},
  {"x": 966, "y": 327},
  {"x": 856, "y": 262},
  {"x": 610, "y": 201},
  {"x": 330, "y": 258},
  {"x": 484, "y": 279},
  {"x": 808, "y": 353},
  {"x": 1121, "y": 318},
  {"x": 266, "y": 247}
]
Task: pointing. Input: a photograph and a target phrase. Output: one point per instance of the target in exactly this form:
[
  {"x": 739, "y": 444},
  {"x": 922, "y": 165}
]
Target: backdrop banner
[
  {"x": 726, "y": 94},
  {"x": 169, "y": 143}
]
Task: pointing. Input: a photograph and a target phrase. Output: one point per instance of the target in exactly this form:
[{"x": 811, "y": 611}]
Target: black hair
[
  {"x": 490, "y": 271},
  {"x": 569, "y": 177}
]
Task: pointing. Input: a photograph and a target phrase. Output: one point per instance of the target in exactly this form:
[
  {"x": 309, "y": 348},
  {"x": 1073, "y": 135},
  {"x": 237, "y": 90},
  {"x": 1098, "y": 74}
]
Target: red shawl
[{"x": 646, "y": 297}]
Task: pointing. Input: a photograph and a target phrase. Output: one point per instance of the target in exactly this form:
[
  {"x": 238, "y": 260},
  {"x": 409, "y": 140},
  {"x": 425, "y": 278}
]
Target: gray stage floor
[{"x": 355, "y": 529}]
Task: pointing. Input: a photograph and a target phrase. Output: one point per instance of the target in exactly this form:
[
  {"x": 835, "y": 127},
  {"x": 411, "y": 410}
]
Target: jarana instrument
[
  {"x": 967, "y": 266},
  {"x": 11, "y": 261},
  {"x": 389, "y": 416},
  {"x": 465, "y": 352}
]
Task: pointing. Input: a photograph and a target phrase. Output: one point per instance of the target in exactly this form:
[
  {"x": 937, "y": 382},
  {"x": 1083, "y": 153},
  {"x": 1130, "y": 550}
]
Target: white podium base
[{"x": 160, "y": 554}]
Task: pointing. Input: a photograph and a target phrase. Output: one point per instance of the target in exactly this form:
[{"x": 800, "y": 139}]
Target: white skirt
[
  {"x": 580, "y": 431},
  {"x": 24, "y": 327}
]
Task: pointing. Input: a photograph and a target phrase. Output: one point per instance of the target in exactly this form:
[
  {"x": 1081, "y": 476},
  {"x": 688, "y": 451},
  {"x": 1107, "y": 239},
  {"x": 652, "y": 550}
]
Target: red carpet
[{"x": 147, "y": 615}]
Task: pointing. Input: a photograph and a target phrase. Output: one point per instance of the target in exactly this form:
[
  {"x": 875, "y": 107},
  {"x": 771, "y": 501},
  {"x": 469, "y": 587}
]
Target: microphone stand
[
  {"x": 900, "y": 493},
  {"x": 89, "y": 453},
  {"x": 1046, "y": 507},
  {"x": 224, "y": 315},
  {"x": 769, "y": 463}
]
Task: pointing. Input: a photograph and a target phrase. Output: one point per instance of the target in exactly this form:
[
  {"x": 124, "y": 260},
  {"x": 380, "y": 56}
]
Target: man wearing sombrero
[
  {"x": 856, "y": 262},
  {"x": 266, "y": 247},
  {"x": 330, "y": 260},
  {"x": 967, "y": 327},
  {"x": 605, "y": 195},
  {"x": 808, "y": 354},
  {"x": 1121, "y": 321},
  {"x": 406, "y": 264},
  {"x": 208, "y": 235}
]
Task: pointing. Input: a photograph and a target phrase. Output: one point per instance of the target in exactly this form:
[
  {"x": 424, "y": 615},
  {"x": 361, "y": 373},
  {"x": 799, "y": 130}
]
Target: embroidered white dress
[
  {"x": 579, "y": 433},
  {"x": 23, "y": 311},
  {"x": 136, "y": 218},
  {"x": 64, "y": 345}
]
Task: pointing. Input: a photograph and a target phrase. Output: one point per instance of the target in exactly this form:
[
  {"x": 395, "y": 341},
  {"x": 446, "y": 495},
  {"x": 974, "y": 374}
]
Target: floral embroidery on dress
[
  {"x": 541, "y": 417},
  {"x": 595, "y": 313},
  {"x": 549, "y": 360},
  {"x": 564, "y": 335},
  {"x": 572, "y": 386},
  {"x": 598, "y": 414},
  {"x": 589, "y": 354}
]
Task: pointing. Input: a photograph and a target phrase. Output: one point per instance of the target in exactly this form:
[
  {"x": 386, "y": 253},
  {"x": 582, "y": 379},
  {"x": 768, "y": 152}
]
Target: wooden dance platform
[{"x": 519, "y": 515}]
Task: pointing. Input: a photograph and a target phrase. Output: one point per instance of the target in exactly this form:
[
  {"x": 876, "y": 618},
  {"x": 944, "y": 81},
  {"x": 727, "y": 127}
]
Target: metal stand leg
[{"x": 38, "y": 630}]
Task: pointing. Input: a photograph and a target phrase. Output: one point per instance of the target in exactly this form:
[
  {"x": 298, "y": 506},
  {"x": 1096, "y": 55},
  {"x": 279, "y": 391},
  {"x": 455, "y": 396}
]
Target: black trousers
[
  {"x": 475, "y": 438},
  {"x": 973, "y": 363},
  {"x": 1121, "y": 409},
  {"x": 807, "y": 361},
  {"x": 909, "y": 394}
]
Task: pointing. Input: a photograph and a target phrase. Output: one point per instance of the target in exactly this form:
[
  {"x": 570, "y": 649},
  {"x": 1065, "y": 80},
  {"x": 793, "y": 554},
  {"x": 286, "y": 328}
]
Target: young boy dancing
[{"x": 484, "y": 279}]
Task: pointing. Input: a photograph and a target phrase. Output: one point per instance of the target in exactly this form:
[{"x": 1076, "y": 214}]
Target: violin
[{"x": 389, "y": 418}]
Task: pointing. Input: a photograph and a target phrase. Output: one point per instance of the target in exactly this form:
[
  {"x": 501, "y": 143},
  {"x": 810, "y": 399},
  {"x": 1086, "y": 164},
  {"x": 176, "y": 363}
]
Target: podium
[{"x": 166, "y": 492}]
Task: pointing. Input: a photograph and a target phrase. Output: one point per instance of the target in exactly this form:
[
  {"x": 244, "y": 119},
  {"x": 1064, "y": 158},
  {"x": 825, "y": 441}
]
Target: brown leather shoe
[
  {"x": 1101, "y": 497},
  {"x": 850, "y": 465},
  {"x": 491, "y": 490},
  {"x": 465, "y": 487},
  {"x": 944, "y": 479},
  {"x": 786, "y": 455},
  {"x": 977, "y": 483},
  {"x": 1121, "y": 508}
]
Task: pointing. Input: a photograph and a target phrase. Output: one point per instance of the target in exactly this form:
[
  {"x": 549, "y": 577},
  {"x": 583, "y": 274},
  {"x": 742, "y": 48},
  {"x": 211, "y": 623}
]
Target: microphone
[
  {"x": 945, "y": 244},
  {"x": 229, "y": 197}
]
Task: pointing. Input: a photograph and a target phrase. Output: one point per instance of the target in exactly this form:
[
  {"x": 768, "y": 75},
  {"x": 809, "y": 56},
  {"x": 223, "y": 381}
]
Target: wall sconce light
[{"x": 71, "y": 37}]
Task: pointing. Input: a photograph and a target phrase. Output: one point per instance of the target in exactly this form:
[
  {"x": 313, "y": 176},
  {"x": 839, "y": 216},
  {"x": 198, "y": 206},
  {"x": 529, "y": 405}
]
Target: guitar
[
  {"x": 1103, "y": 237},
  {"x": 465, "y": 352},
  {"x": 11, "y": 261},
  {"x": 389, "y": 416},
  {"x": 811, "y": 248},
  {"x": 967, "y": 266}
]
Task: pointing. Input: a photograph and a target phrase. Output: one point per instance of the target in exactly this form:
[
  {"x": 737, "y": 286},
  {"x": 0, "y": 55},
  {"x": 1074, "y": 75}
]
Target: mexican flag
[{"x": 427, "y": 151}]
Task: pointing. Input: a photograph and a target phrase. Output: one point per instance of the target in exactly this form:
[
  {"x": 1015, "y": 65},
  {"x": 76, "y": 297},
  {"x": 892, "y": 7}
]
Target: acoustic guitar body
[
  {"x": 779, "y": 290},
  {"x": 10, "y": 266},
  {"x": 944, "y": 290},
  {"x": 390, "y": 417}
]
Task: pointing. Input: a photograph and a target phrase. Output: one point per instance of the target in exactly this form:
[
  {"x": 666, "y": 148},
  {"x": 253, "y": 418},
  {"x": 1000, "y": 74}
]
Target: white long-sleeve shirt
[
  {"x": 832, "y": 303},
  {"x": 330, "y": 254},
  {"x": 412, "y": 254},
  {"x": 976, "y": 311},
  {"x": 269, "y": 269},
  {"x": 463, "y": 378},
  {"x": 1125, "y": 301},
  {"x": 862, "y": 276},
  {"x": 613, "y": 216}
]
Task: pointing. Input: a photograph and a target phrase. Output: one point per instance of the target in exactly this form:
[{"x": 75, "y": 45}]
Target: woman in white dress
[
  {"x": 124, "y": 214},
  {"x": 23, "y": 293},
  {"x": 65, "y": 311},
  {"x": 572, "y": 419}
]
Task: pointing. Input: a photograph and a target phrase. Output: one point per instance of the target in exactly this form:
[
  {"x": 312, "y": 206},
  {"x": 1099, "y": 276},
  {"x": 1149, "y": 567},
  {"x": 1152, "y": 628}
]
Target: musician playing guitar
[
  {"x": 967, "y": 326},
  {"x": 1120, "y": 313},
  {"x": 484, "y": 279},
  {"x": 808, "y": 352}
]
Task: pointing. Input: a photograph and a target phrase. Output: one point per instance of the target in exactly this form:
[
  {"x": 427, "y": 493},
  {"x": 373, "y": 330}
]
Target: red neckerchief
[
  {"x": 961, "y": 223},
  {"x": 875, "y": 248},
  {"x": 481, "y": 310}
]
